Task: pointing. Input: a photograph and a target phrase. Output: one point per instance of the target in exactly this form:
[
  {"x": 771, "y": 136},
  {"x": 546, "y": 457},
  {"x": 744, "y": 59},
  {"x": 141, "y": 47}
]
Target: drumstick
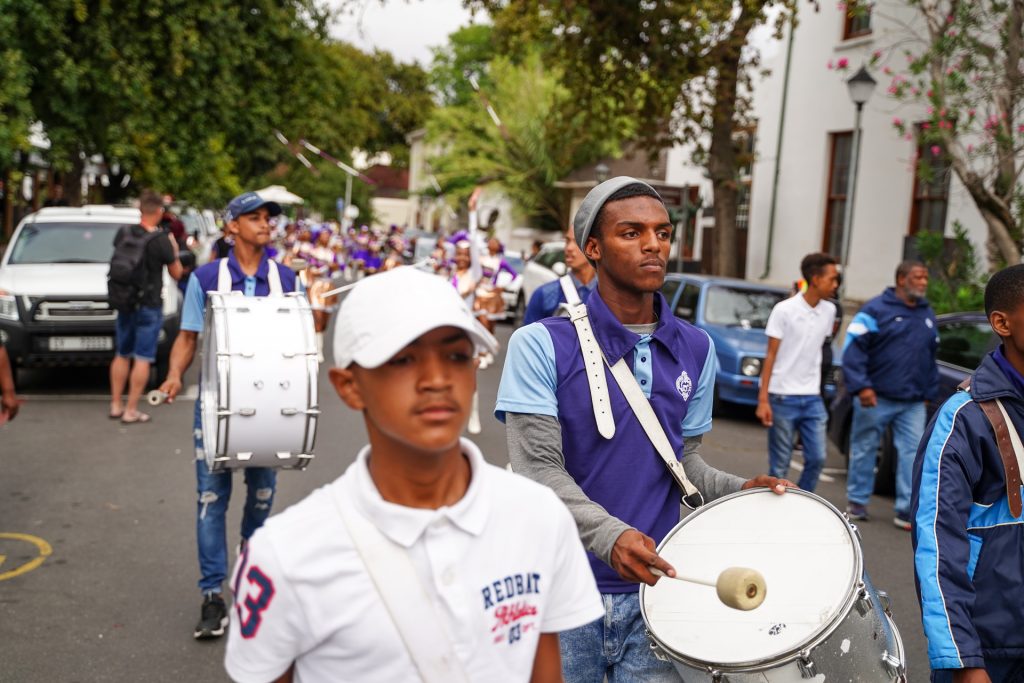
[
  {"x": 474, "y": 415},
  {"x": 738, "y": 587},
  {"x": 156, "y": 397}
]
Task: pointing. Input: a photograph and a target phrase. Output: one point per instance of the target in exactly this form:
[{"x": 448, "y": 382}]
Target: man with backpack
[{"x": 134, "y": 286}]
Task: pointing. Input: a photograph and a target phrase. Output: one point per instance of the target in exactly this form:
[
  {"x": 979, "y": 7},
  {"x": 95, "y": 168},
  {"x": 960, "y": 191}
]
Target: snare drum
[
  {"x": 821, "y": 619},
  {"x": 259, "y": 383}
]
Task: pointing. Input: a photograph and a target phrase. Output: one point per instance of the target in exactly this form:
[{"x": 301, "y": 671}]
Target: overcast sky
[{"x": 406, "y": 28}]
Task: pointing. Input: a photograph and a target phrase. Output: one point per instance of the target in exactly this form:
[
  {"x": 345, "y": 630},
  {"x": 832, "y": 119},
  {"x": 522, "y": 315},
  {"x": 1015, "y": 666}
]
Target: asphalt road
[{"x": 116, "y": 600}]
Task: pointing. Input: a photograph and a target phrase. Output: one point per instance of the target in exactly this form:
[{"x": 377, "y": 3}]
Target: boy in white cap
[{"x": 422, "y": 562}]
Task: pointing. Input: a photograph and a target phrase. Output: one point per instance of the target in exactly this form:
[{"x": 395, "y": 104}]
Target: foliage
[
  {"x": 956, "y": 282},
  {"x": 469, "y": 50},
  {"x": 962, "y": 62},
  {"x": 543, "y": 136},
  {"x": 184, "y": 95},
  {"x": 680, "y": 70}
]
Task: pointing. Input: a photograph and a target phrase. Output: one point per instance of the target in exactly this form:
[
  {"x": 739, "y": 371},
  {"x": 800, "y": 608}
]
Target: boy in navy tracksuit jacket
[
  {"x": 889, "y": 370},
  {"x": 968, "y": 544}
]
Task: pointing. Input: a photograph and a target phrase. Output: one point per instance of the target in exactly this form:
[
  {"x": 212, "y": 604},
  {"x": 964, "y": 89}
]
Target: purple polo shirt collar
[
  {"x": 616, "y": 341},
  {"x": 1011, "y": 372},
  {"x": 238, "y": 275}
]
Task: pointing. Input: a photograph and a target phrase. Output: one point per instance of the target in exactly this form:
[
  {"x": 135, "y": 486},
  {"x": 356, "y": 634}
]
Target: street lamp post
[
  {"x": 860, "y": 86},
  {"x": 601, "y": 172}
]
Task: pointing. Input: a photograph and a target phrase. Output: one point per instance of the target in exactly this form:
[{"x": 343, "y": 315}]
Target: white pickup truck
[{"x": 53, "y": 289}]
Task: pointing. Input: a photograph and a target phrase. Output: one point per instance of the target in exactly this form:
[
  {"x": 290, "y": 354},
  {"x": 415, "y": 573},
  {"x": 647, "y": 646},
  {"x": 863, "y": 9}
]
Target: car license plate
[{"x": 81, "y": 343}]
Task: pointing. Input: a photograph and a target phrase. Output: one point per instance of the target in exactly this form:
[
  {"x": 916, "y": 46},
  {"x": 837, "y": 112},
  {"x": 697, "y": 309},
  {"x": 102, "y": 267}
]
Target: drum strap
[
  {"x": 592, "y": 355},
  {"x": 273, "y": 278},
  {"x": 407, "y": 602},
  {"x": 593, "y": 359},
  {"x": 1011, "y": 450}
]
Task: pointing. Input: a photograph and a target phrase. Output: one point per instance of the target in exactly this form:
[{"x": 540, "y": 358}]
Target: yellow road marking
[{"x": 44, "y": 552}]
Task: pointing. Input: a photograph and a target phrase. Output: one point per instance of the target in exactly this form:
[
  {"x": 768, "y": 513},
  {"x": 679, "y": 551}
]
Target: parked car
[
  {"x": 734, "y": 314},
  {"x": 53, "y": 289},
  {"x": 548, "y": 265},
  {"x": 964, "y": 339}
]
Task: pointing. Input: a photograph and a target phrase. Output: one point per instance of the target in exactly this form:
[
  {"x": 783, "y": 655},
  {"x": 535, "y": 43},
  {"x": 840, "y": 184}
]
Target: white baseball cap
[{"x": 386, "y": 312}]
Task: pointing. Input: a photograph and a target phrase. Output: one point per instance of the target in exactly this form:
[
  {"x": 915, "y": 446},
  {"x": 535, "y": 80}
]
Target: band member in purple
[{"x": 604, "y": 466}]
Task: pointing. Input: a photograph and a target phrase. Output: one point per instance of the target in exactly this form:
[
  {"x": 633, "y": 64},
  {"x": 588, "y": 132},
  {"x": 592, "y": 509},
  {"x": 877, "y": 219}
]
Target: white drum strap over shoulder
[
  {"x": 593, "y": 359},
  {"x": 273, "y": 277},
  {"x": 407, "y": 602},
  {"x": 692, "y": 498}
]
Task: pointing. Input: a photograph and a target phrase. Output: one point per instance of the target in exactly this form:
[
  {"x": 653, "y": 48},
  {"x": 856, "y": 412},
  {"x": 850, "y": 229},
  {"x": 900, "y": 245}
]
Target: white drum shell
[
  {"x": 820, "y": 621},
  {"x": 259, "y": 384}
]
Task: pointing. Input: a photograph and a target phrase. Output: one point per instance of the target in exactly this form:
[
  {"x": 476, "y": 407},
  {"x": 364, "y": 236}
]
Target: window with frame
[
  {"x": 686, "y": 309},
  {"x": 838, "y": 181},
  {"x": 857, "y": 20},
  {"x": 931, "y": 187}
]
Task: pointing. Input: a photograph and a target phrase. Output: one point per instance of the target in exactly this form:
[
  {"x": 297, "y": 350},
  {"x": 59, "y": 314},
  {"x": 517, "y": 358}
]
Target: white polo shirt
[
  {"x": 801, "y": 330},
  {"x": 505, "y": 564}
]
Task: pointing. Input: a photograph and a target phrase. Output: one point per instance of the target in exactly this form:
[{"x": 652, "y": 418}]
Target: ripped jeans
[{"x": 214, "y": 494}]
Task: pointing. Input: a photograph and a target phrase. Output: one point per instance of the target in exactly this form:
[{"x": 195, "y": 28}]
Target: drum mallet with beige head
[
  {"x": 156, "y": 397},
  {"x": 738, "y": 587}
]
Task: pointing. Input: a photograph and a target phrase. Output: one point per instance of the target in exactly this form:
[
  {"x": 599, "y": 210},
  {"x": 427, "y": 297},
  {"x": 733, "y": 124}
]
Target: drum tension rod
[
  {"x": 288, "y": 412},
  {"x": 805, "y": 664}
]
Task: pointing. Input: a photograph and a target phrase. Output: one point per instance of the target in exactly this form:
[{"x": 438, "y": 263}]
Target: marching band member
[
  {"x": 322, "y": 265},
  {"x": 619, "y": 490},
  {"x": 413, "y": 565},
  {"x": 247, "y": 269}
]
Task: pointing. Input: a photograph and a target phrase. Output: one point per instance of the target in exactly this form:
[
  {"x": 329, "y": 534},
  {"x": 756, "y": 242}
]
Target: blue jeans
[
  {"x": 137, "y": 332},
  {"x": 214, "y": 494},
  {"x": 907, "y": 419},
  {"x": 791, "y": 414},
  {"x": 999, "y": 670},
  {"x": 615, "y": 646}
]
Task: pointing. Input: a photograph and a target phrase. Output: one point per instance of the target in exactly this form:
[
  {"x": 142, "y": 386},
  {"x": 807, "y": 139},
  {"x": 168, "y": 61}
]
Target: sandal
[{"x": 139, "y": 418}]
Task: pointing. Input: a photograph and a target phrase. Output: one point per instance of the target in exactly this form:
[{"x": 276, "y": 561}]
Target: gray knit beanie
[{"x": 595, "y": 199}]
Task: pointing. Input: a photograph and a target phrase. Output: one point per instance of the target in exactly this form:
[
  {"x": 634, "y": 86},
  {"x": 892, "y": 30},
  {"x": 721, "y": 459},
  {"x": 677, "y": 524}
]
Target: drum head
[{"x": 806, "y": 551}]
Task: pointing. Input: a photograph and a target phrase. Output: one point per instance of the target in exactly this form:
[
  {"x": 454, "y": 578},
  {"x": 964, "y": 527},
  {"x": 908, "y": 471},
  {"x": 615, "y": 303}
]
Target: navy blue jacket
[
  {"x": 968, "y": 548},
  {"x": 890, "y": 347}
]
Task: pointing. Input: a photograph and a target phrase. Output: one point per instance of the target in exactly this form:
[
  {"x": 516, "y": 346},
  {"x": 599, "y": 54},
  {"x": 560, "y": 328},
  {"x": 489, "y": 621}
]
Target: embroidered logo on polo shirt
[
  {"x": 512, "y": 608},
  {"x": 684, "y": 385}
]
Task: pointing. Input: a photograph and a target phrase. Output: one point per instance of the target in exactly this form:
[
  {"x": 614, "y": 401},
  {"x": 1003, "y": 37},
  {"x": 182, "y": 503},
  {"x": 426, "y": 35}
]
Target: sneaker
[
  {"x": 902, "y": 521},
  {"x": 856, "y": 512},
  {"x": 214, "y": 618}
]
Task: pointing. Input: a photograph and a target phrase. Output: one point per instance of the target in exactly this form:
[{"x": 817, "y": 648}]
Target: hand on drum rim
[
  {"x": 777, "y": 485},
  {"x": 634, "y": 554}
]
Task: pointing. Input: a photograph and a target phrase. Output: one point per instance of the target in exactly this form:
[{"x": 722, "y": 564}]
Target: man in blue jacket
[
  {"x": 889, "y": 367},
  {"x": 968, "y": 527},
  {"x": 549, "y": 297}
]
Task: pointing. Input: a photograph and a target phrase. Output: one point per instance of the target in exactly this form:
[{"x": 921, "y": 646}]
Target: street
[{"x": 117, "y": 599}]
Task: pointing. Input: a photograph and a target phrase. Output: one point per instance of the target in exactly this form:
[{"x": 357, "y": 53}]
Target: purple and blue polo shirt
[
  {"x": 675, "y": 366},
  {"x": 204, "y": 279}
]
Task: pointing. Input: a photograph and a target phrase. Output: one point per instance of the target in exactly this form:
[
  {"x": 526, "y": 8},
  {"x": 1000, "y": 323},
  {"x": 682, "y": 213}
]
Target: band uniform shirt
[
  {"x": 502, "y": 565},
  {"x": 675, "y": 366},
  {"x": 204, "y": 280},
  {"x": 801, "y": 330}
]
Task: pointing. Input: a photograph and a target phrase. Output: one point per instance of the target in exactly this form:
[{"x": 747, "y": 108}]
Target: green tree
[
  {"x": 680, "y": 69},
  {"x": 966, "y": 68},
  {"x": 541, "y": 139}
]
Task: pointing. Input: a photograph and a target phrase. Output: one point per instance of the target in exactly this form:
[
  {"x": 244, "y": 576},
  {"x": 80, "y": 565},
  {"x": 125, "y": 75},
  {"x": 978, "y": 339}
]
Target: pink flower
[
  {"x": 949, "y": 19},
  {"x": 1020, "y": 128},
  {"x": 898, "y": 122},
  {"x": 949, "y": 71},
  {"x": 830, "y": 65},
  {"x": 908, "y": 136},
  {"x": 930, "y": 110},
  {"x": 843, "y": 63},
  {"x": 887, "y": 71},
  {"x": 936, "y": 150},
  {"x": 970, "y": 148},
  {"x": 925, "y": 125},
  {"x": 970, "y": 113},
  {"x": 841, "y": 6}
]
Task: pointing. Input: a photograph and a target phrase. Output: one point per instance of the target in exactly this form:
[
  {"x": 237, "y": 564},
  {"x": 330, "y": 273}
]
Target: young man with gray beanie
[{"x": 599, "y": 461}]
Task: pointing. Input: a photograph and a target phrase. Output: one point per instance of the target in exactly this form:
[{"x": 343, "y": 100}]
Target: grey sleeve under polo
[{"x": 535, "y": 451}]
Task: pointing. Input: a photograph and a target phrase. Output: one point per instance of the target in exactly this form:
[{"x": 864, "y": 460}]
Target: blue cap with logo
[{"x": 247, "y": 202}]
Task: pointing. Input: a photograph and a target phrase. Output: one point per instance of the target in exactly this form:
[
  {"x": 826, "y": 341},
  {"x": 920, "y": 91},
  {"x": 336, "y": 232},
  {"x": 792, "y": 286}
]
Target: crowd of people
[{"x": 423, "y": 562}]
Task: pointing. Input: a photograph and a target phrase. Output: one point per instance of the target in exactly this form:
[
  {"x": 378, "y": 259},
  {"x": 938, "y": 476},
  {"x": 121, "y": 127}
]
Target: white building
[{"x": 890, "y": 202}]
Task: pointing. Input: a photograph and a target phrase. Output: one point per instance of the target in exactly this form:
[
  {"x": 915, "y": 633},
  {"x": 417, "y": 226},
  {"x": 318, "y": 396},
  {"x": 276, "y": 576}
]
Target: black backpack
[{"x": 126, "y": 280}]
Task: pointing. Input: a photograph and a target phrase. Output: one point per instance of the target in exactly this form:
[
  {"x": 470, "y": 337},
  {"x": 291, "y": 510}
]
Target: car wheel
[{"x": 885, "y": 472}]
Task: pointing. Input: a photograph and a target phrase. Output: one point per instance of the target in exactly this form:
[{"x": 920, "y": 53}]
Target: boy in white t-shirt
[
  {"x": 789, "y": 399},
  {"x": 495, "y": 565}
]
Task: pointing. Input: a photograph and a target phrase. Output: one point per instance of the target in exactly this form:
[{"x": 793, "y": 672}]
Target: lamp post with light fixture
[{"x": 860, "y": 86}]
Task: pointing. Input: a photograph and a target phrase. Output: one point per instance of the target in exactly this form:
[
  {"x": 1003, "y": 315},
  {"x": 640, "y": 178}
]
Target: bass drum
[
  {"x": 259, "y": 386},
  {"x": 821, "y": 620}
]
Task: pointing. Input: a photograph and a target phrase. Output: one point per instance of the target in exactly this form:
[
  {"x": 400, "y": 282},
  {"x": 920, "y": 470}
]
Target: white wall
[
  {"x": 818, "y": 104},
  {"x": 390, "y": 211}
]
